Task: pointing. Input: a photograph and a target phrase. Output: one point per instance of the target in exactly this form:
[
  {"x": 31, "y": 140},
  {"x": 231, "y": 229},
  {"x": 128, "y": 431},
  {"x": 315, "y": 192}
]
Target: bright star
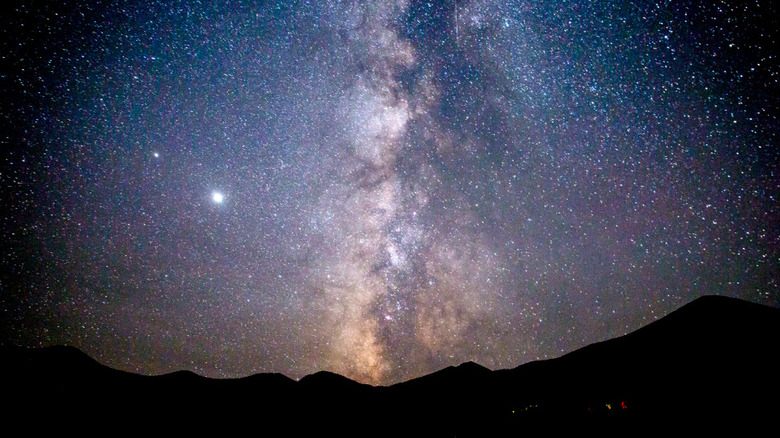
[{"x": 217, "y": 197}]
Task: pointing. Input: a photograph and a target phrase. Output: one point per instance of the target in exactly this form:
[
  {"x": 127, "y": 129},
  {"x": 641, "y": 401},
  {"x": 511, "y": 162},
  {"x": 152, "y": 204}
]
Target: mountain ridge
[{"x": 698, "y": 362}]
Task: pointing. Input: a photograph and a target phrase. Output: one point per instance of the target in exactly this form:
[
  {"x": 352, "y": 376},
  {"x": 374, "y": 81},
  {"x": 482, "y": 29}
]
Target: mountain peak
[
  {"x": 472, "y": 366},
  {"x": 327, "y": 379}
]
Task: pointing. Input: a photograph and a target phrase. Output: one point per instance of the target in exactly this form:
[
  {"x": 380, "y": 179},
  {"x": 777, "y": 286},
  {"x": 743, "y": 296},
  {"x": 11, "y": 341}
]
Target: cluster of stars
[{"x": 379, "y": 188}]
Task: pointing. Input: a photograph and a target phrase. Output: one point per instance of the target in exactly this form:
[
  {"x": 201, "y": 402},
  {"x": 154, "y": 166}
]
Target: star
[{"x": 217, "y": 197}]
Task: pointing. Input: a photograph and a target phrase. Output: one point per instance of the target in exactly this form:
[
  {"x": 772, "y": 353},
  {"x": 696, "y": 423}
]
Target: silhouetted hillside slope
[{"x": 710, "y": 362}]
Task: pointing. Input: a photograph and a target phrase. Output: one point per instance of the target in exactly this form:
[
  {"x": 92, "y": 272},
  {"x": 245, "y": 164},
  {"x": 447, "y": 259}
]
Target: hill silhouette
[{"x": 711, "y": 362}]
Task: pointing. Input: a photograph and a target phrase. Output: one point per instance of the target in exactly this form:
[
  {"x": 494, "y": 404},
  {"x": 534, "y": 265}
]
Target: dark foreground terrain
[{"x": 710, "y": 364}]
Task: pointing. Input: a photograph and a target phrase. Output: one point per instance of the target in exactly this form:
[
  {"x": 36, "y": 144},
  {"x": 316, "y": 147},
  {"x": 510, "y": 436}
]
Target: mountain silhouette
[{"x": 710, "y": 363}]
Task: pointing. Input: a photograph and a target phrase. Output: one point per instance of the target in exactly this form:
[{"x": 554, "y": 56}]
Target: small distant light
[
  {"x": 217, "y": 197},
  {"x": 156, "y": 155}
]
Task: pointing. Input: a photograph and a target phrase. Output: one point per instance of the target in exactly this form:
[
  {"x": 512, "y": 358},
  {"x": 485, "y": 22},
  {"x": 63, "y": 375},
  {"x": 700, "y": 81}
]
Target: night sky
[{"x": 379, "y": 188}]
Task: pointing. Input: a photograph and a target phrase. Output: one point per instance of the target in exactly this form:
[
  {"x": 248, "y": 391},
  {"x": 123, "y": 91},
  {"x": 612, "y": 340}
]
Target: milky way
[{"x": 380, "y": 189}]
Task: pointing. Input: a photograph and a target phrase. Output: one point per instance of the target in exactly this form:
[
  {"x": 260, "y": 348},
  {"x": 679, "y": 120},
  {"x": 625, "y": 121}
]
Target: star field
[{"x": 379, "y": 188}]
